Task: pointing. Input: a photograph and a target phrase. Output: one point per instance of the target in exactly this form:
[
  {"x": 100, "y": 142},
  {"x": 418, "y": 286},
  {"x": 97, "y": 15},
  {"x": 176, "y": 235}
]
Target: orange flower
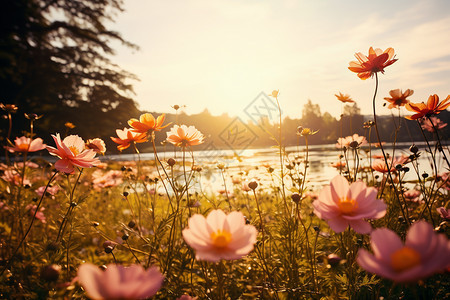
[
  {"x": 377, "y": 60},
  {"x": 126, "y": 137},
  {"x": 147, "y": 123},
  {"x": 433, "y": 107},
  {"x": 183, "y": 136},
  {"x": 344, "y": 98},
  {"x": 398, "y": 98}
]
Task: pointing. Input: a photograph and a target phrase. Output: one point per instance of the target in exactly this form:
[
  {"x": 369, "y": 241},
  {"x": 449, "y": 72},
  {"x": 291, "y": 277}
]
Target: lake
[{"x": 253, "y": 161}]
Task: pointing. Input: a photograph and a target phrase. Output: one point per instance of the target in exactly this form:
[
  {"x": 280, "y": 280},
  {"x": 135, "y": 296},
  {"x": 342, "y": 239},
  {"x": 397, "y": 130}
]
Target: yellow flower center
[
  {"x": 23, "y": 147},
  {"x": 347, "y": 206},
  {"x": 74, "y": 150},
  {"x": 221, "y": 238},
  {"x": 404, "y": 259}
]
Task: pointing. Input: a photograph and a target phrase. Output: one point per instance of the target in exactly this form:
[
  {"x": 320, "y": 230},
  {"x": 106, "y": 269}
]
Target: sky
[{"x": 220, "y": 55}]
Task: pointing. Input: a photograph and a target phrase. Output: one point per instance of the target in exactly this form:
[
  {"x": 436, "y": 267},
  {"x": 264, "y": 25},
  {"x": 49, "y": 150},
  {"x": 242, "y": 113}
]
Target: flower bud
[
  {"x": 253, "y": 184},
  {"x": 171, "y": 162},
  {"x": 296, "y": 197},
  {"x": 413, "y": 149},
  {"x": 50, "y": 273}
]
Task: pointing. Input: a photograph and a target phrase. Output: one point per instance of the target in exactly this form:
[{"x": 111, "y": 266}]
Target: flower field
[{"x": 84, "y": 227}]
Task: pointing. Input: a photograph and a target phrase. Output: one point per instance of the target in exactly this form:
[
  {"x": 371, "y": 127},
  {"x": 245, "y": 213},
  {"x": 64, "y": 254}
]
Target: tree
[{"x": 55, "y": 61}]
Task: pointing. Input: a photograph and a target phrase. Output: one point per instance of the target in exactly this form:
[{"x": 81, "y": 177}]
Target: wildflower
[
  {"x": 377, "y": 60},
  {"x": 344, "y": 98},
  {"x": 98, "y": 145},
  {"x": 342, "y": 205},
  {"x": 51, "y": 190},
  {"x": 109, "y": 179},
  {"x": 423, "y": 254},
  {"x": 69, "y": 125},
  {"x": 147, "y": 123},
  {"x": 14, "y": 177},
  {"x": 305, "y": 131},
  {"x": 72, "y": 152},
  {"x": 220, "y": 236},
  {"x": 9, "y": 108},
  {"x": 398, "y": 98},
  {"x": 275, "y": 93},
  {"x": 31, "y": 208},
  {"x": 381, "y": 166},
  {"x": 33, "y": 117},
  {"x": 433, "y": 107},
  {"x": 183, "y": 136},
  {"x": 119, "y": 282},
  {"x": 25, "y": 144},
  {"x": 347, "y": 141},
  {"x": 412, "y": 195},
  {"x": 429, "y": 124},
  {"x": 126, "y": 137}
]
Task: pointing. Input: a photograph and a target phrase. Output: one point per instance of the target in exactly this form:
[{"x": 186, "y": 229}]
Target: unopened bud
[
  {"x": 50, "y": 273},
  {"x": 253, "y": 184},
  {"x": 171, "y": 162},
  {"x": 296, "y": 197}
]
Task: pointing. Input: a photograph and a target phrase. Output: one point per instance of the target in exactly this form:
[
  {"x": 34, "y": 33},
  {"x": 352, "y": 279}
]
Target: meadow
[{"x": 80, "y": 226}]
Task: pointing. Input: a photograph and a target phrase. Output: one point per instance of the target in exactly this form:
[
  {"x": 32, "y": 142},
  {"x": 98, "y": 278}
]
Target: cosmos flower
[
  {"x": 72, "y": 152},
  {"x": 343, "y": 205},
  {"x": 433, "y": 107},
  {"x": 381, "y": 166},
  {"x": 25, "y": 144},
  {"x": 147, "y": 123},
  {"x": 31, "y": 208},
  {"x": 427, "y": 124},
  {"x": 183, "y": 136},
  {"x": 126, "y": 137},
  {"x": 344, "y": 98},
  {"x": 119, "y": 282},
  {"x": 423, "y": 253},
  {"x": 398, "y": 98},
  {"x": 367, "y": 66},
  {"x": 98, "y": 145},
  {"x": 351, "y": 141},
  {"x": 220, "y": 236}
]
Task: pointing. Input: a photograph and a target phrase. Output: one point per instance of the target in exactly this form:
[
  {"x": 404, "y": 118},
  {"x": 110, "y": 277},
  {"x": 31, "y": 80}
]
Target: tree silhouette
[{"x": 55, "y": 61}]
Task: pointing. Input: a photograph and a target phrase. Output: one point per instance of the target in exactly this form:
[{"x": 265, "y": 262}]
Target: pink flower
[
  {"x": 25, "y": 144},
  {"x": 72, "y": 152},
  {"x": 183, "y": 136},
  {"x": 119, "y": 282},
  {"x": 444, "y": 213},
  {"x": 381, "y": 166},
  {"x": 342, "y": 205},
  {"x": 51, "y": 190},
  {"x": 108, "y": 179},
  {"x": 424, "y": 253},
  {"x": 14, "y": 177},
  {"x": 98, "y": 145},
  {"x": 428, "y": 126},
  {"x": 412, "y": 195},
  {"x": 39, "y": 215},
  {"x": 351, "y": 141},
  {"x": 220, "y": 236}
]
